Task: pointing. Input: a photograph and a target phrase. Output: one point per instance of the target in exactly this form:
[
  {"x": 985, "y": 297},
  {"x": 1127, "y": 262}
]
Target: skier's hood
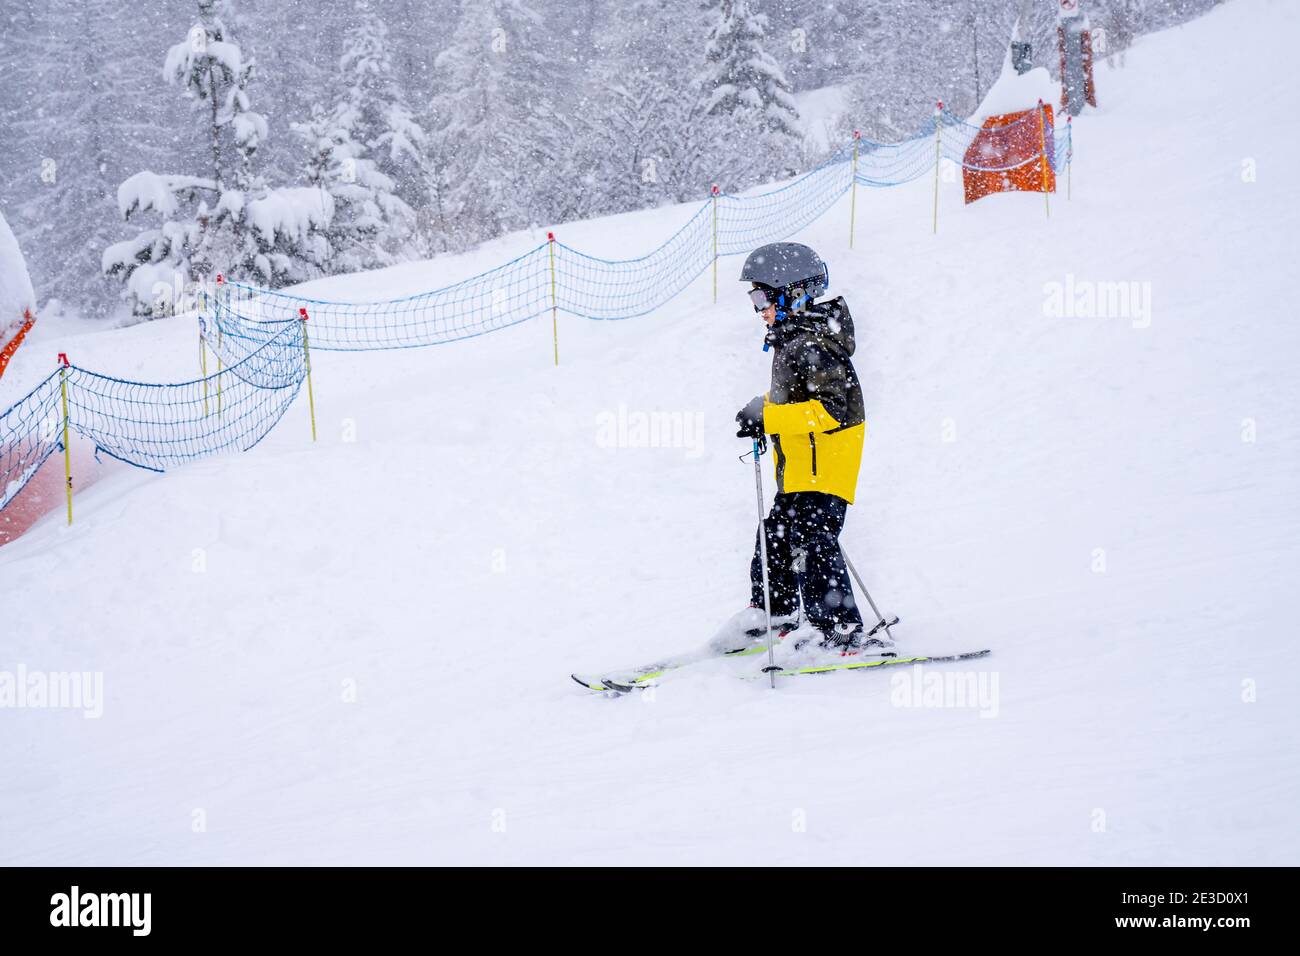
[{"x": 829, "y": 321}]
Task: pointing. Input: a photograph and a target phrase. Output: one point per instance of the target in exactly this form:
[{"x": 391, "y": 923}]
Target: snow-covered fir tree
[
  {"x": 366, "y": 208},
  {"x": 641, "y": 140},
  {"x": 73, "y": 127},
  {"x": 374, "y": 114},
  {"x": 493, "y": 126},
  {"x": 591, "y": 107},
  {"x": 1116, "y": 26},
  {"x": 226, "y": 221},
  {"x": 888, "y": 86},
  {"x": 746, "y": 89}
]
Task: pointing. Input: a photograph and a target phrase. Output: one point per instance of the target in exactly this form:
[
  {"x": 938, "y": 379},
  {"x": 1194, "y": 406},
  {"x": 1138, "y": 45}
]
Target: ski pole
[
  {"x": 762, "y": 557},
  {"x": 880, "y": 618}
]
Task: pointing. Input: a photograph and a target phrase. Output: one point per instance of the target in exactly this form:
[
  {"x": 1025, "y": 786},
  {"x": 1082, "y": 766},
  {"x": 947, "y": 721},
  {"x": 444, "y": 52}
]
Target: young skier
[{"x": 814, "y": 413}]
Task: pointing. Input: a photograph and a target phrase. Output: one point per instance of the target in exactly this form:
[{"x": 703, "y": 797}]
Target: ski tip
[{"x": 604, "y": 685}]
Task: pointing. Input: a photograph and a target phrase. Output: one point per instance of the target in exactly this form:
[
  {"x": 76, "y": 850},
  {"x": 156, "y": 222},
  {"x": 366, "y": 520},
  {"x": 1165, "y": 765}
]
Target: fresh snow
[
  {"x": 196, "y": 51},
  {"x": 480, "y": 539},
  {"x": 820, "y": 113},
  {"x": 149, "y": 191},
  {"x": 16, "y": 295},
  {"x": 290, "y": 213},
  {"x": 1014, "y": 92}
]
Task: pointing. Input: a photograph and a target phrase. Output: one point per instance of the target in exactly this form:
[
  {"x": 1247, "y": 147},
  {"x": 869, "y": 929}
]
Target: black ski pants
[{"x": 804, "y": 559}]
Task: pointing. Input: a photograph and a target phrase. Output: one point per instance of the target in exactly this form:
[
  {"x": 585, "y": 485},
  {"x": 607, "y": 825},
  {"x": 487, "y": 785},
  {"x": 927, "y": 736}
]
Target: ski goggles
[{"x": 764, "y": 298}]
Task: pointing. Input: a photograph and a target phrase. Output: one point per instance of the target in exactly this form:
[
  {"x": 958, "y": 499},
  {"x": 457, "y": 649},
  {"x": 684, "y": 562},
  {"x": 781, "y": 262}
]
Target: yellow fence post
[
  {"x": 203, "y": 369},
  {"x": 220, "y": 369},
  {"x": 555, "y": 302},
  {"x": 67, "y": 446},
  {"x": 938, "y": 111},
  {"x": 853, "y": 189},
  {"x": 306, "y": 354},
  {"x": 1042, "y": 142},
  {"x": 713, "y": 198},
  {"x": 220, "y": 364},
  {"x": 203, "y": 311}
]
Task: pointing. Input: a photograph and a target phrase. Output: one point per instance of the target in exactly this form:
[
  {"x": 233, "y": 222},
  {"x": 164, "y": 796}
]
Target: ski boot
[
  {"x": 848, "y": 638},
  {"x": 811, "y": 646},
  {"x": 748, "y": 628}
]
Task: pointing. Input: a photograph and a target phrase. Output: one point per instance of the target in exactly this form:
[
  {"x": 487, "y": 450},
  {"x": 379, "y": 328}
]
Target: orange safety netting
[
  {"x": 1011, "y": 152},
  {"x": 8, "y": 351}
]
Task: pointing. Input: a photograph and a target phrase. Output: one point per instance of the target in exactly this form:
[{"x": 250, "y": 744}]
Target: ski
[
  {"x": 862, "y": 664},
  {"x": 621, "y": 680},
  {"x": 626, "y": 685}
]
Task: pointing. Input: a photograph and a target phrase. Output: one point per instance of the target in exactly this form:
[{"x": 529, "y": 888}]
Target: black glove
[{"x": 750, "y": 420}]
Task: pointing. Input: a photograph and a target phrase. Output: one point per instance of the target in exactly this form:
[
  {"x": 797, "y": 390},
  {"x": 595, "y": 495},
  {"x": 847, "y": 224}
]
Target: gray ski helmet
[{"x": 781, "y": 265}]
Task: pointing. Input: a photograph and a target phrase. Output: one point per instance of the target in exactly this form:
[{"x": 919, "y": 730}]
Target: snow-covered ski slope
[{"x": 359, "y": 651}]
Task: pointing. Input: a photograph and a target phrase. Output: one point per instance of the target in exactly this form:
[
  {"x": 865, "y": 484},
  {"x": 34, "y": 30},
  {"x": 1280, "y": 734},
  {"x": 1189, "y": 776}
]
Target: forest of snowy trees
[{"x": 147, "y": 145}]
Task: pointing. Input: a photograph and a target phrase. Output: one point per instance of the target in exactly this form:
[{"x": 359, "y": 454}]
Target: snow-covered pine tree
[
  {"x": 374, "y": 114},
  {"x": 811, "y": 39},
  {"x": 210, "y": 67},
  {"x": 618, "y": 162},
  {"x": 746, "y": 89},
  {"x": 365, "y": 206},
  {"x": 73, "y": 128},
  {"x": 641, "y": 140},
  {"x": 1116, "y": 25},
  {"x": 888, "y": 79},
  {"x": 229, "y": 221},
  {"x": 493, "y": 127}
]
